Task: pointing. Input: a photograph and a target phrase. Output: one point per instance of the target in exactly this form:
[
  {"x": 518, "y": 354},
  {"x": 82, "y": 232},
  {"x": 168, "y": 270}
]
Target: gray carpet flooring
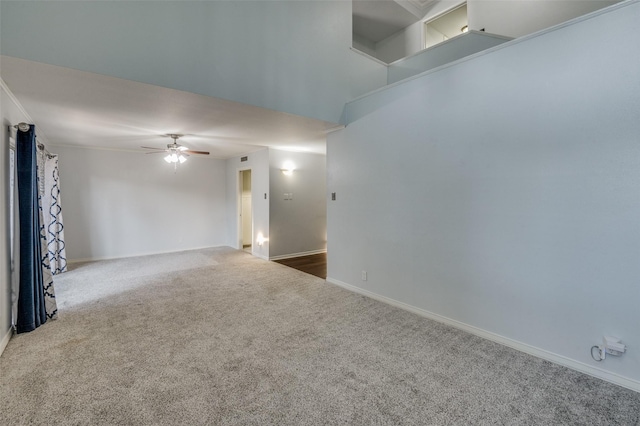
[{"x": 217, "y": 336}]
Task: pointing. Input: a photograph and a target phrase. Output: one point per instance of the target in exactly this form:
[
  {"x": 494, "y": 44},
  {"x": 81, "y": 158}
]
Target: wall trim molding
[
  {"x": 15, "y": 100},
  {"x": 480, "y": 33},
  {"x": 596, "y": 372},
  {"x": 300, "y": 254},
  {"x": 39, "y": 133},
  {"x": 94, "y": 259},
  {"x": 366, "y": 55},
  {"x": 5, "y": 340}
]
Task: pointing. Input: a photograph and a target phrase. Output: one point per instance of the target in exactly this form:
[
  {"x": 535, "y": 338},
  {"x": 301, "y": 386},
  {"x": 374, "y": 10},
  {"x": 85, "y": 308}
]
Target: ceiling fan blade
[
  {"x": 149, "y": 147},
  {"x": 156, "y": 152},
  {"x": 190, "y": 151}
]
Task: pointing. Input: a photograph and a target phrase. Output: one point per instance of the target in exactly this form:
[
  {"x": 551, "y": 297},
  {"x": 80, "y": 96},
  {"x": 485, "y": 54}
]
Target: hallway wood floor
[{"x": 315, "y": 264}]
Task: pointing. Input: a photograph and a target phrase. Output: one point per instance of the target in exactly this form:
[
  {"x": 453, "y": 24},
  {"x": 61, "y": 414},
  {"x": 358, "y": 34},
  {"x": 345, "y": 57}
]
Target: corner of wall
[{"x": 5, "y": 340}]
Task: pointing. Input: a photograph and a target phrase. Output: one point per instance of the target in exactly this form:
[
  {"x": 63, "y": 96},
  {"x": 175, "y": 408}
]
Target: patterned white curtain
[
  {"x": 15, "y": 231},
  {"x": 52, "y": 211},
  {"x": 45, "y": 221}
]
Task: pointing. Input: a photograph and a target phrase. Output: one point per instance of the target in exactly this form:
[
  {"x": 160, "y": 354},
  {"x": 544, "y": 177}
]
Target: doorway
[
  {"x": 245, "y": 236},
  {"x": 445, "y": 26}
]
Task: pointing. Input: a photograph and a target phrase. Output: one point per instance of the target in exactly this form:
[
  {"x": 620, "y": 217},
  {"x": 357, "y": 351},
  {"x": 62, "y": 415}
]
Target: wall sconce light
[
  {"x": 261, "y": 239},
  {"x": 288, "y": 168}
]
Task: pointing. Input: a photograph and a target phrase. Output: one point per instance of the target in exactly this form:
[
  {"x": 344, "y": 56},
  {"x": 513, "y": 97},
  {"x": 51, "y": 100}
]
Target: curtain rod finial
[{"x": 23, "y": 127}]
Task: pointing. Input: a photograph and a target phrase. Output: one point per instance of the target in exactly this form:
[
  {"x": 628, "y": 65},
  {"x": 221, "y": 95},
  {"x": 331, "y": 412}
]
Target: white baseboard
[
  {"x": 292, "y": 255},
  {"x": 260, "y": 256},
  {"x": 522, "y": 347},
  {"x": 94, "y": 259},
  {"x": 5, "y": 340}
]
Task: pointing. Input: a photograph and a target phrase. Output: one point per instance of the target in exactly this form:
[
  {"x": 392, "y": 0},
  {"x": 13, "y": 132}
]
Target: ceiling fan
[{"x": 176, "y": 153}]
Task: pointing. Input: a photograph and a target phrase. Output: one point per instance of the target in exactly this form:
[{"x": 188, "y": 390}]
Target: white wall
[
  {"x": 284, "y": 55},
  {"x": 401, "y": 44},
  {"x": 258, "y": 163},
  {"x": 297, "y": 225},
  {"x": 10, "y": 115},
  {"x": 118, "y": 204},
  {"x": 365, "y": 74},
  {"x": 509, "y": 201},
  {"x": 510, "y": 18},
  {"x": 409, "y": 40},
  {"x": 364, "y": 45}
]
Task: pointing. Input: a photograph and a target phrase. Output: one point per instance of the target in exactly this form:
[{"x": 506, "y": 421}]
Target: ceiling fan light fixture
[
  {"x": 176, "y": 153},
  {"x": 175, "y": 158}
]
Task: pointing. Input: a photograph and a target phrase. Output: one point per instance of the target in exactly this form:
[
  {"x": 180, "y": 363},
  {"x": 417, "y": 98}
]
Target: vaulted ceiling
[
  {"x": 233, "y": 77},
  {"x": 78, "y": 108}
]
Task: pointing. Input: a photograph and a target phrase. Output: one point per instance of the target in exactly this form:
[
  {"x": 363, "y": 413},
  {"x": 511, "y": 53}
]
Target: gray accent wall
[
  {"x": 298, "y": 221},
  {"x": 291, "y": 226},
  {"x": 502, "y": 193}
]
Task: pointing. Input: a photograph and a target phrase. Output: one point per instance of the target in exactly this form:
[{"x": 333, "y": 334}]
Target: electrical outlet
[{"x": 364, "y": 275}]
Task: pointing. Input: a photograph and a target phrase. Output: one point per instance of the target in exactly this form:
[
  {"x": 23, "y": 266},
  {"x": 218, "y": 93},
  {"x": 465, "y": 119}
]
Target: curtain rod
[
  {"x": 24, "y": 127},
  {"x": 44, "y": 149}
]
